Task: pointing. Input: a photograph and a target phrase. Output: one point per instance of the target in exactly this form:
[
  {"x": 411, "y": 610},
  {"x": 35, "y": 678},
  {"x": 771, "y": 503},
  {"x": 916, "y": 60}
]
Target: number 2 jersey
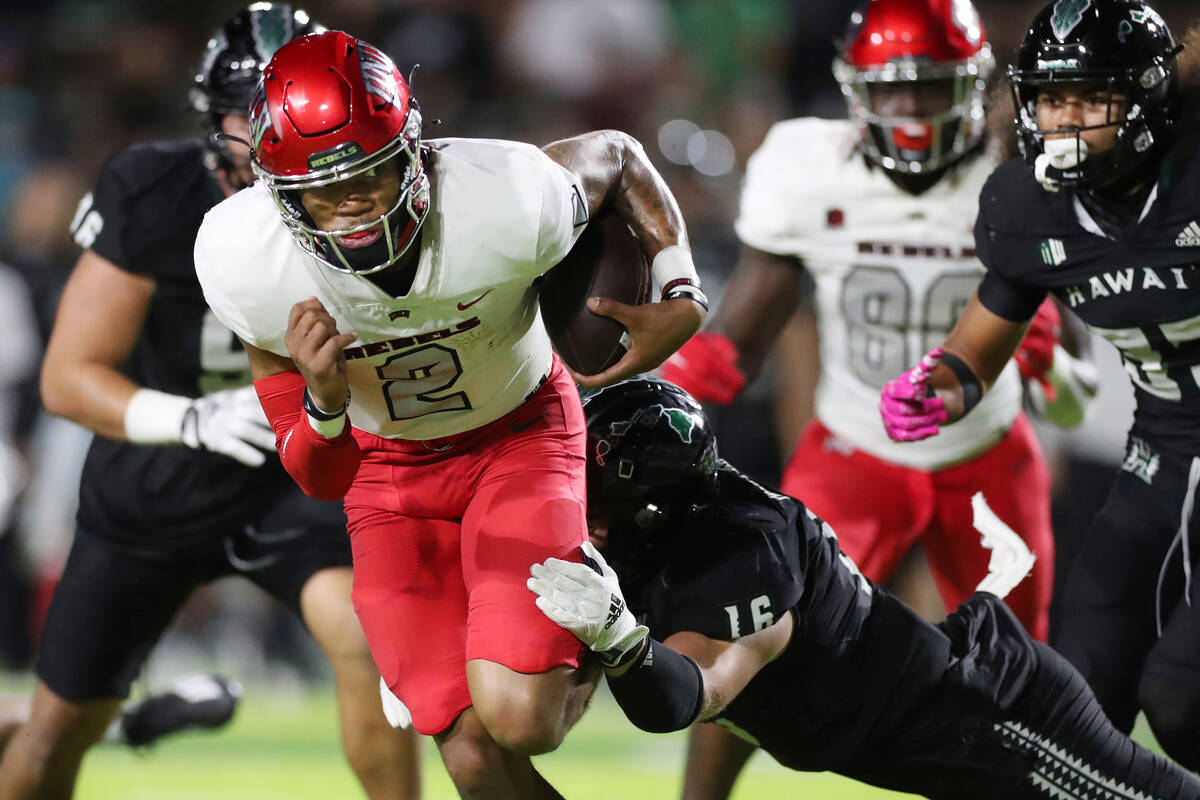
[
  {"x": 1136, "y": 284},
  {"x": 857, "y": 660},
  {"x": 893, "y": 272},
  {"x": 466, "y": 344}
]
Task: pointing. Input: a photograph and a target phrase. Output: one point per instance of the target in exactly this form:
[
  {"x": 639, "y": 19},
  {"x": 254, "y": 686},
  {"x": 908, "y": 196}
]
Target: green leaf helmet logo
[
  {"x": 680, "y": 421},
  {"x": 271, "y": 28},
  {"x": 1067, "y": 14}
]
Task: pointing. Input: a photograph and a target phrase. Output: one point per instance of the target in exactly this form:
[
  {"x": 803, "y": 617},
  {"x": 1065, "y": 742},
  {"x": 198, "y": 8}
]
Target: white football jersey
[
  {"x": 466, "y": 344},
  {"x": 893, "y": 273}
]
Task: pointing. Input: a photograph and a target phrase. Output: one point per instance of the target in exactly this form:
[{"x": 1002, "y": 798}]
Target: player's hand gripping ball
[{"x": 606, "y": 261}]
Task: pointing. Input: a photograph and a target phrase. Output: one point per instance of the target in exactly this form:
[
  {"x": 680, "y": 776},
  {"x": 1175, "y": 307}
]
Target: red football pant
[
  {"x": 443, "y": 541},
  {"x": 879, "y": 510}
]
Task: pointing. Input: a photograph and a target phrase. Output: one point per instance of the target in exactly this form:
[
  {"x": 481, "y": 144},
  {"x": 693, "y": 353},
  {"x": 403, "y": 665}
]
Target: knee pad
[{"x": 1172, "y": 708}]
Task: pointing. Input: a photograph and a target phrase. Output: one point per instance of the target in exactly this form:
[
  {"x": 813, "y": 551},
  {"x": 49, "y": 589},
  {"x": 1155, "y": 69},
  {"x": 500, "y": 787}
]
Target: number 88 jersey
[{"x": 893, "y": 272}]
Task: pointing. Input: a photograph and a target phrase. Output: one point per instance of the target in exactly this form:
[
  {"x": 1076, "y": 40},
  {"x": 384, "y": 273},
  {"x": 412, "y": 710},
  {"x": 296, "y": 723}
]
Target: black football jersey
[
  {"x": 1136, "y": 285},
  {"x": 143, "y": 215},
  {"x": 857, "y": 660}
]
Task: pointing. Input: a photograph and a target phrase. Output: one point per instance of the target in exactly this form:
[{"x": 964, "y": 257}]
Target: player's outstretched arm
[
  {"x": 761, "y": 295},
  {"x": 953, "y": 378},
  {"x": 615, "y": 173},
  {"x": 100, "y": 319},
  {"x": 661, "y": 686}
]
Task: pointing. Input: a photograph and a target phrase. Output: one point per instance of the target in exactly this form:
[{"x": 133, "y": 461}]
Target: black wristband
[
  {"x": 972, "y": 391},
  {"x": 661, "y": 692},
  {"x": 313, "y": 410}
]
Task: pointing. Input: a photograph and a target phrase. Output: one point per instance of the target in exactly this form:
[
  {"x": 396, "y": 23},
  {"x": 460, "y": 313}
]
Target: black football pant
[
  {"x": 1012, "y": 720},
  {"x": 1126, "y": 625}
]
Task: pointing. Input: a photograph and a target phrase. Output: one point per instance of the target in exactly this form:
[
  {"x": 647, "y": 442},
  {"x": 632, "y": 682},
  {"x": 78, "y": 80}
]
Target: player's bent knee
[
  {"x": 1173, "y": 712},
  {"x": 527, "y": 733}
]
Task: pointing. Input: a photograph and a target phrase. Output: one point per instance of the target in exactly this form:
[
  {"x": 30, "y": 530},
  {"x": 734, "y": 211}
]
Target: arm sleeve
[
  {"x": 663, "y": 693},
  {"x": 564, "y": 213},
  {"x": 323, "y": 468}
]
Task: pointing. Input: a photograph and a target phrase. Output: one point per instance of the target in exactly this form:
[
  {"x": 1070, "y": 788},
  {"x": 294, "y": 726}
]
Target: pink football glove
[
  {"x": 1035, "y": 354},
  {"x": 706, "y": 368},
  {"x": 909, "y": 414}
]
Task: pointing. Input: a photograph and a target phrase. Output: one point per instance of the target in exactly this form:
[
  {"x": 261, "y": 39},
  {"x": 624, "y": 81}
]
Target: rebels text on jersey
[
  {"x": 465, "y": 345},
  {"x": 893, "y": 272},
  {"x": 1137, "y": 286},
  {"x": 142, "y": 216},
  {"x": 753, "y": 555}
]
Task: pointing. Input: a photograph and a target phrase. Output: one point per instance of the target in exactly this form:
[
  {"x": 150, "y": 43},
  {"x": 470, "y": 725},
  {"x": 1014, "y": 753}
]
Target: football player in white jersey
[
  {"x": 383, "y": 288},
  {"x": 879, "y": 209}
]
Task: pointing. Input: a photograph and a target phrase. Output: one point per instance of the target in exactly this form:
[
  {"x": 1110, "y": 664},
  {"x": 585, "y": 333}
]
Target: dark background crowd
[{"x": 697, "y": 81}]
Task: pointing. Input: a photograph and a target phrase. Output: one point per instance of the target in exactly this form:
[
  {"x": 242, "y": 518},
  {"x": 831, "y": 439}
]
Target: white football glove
[
  {"x": 1011, "y": 558},
  {"x": 231, "y": 422},
  {"x": 397, "y": 714},
  {"x": 588, "y": 604}
]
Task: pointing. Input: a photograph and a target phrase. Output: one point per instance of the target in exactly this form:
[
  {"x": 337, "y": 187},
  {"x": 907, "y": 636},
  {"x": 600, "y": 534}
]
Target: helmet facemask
[
  {"x": 1060, "y": 156},
  {"x": 919, "y": 144},
  {"x": 399, "y": 225}
]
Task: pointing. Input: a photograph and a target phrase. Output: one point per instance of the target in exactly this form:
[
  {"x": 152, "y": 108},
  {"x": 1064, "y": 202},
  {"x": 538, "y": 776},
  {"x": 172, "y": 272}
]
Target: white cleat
[{"x": 1011, "y": 558}]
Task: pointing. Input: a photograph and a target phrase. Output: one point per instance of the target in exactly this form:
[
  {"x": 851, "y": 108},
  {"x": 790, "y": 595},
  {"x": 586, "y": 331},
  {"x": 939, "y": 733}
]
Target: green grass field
[{"x": 286, "y": 747}]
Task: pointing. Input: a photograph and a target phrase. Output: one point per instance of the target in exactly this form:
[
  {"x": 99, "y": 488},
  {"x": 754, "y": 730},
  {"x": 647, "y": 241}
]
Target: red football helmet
[
  {"x": 330, "y": 107},
  {"x": 917, "y": 41}
]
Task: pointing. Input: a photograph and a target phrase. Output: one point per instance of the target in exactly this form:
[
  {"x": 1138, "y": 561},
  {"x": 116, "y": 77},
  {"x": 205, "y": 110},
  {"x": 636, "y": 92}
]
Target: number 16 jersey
[{"x": 893, "y": 272}]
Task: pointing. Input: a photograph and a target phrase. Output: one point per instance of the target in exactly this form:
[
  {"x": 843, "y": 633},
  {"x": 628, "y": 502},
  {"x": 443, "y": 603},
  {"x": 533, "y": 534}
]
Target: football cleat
[{"x": 195, "y": 701}]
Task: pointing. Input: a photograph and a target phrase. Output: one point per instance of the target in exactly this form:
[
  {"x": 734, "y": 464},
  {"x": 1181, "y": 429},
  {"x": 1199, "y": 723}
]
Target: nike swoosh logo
[
  {"x": 521, "y": 426},
  {"x": 465, "y": 306}
]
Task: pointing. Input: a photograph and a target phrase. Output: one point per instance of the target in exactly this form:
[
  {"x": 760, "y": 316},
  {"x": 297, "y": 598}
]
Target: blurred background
[{"x": 697, "y": 81}]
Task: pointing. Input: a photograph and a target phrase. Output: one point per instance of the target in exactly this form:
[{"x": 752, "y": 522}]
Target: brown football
[{"x": 606, "y": 261}]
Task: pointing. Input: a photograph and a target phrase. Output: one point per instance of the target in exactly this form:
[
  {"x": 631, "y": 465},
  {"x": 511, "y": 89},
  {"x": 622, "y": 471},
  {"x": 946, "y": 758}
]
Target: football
[{"x": 606, "y": 261}]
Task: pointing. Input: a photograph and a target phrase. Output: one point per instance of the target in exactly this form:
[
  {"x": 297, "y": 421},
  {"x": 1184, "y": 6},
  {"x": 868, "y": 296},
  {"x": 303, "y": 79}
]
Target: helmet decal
[
  {"x": 379, "y": 74},
  {"x": 966, "y": 19},
  {"x": 1067, "y": 14},
  {"x": 680, "y": 421},
  {"x": 270, "y": 26},
  {"x": 603, "y": 448},
  {"x": 260, "y": 115}
]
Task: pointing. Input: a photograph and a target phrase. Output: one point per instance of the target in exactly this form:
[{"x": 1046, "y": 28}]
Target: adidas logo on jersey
[{"x": 1189, "y": 236}]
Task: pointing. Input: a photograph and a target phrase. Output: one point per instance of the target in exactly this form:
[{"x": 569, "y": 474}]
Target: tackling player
[
  {"x": 1103, "y": 213},
  {"x": 383, "y": 286},
  {"x": 181, "y": 486},
  {"x": 761, "y": 623},
  {"x": 879, "y": 209}
]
